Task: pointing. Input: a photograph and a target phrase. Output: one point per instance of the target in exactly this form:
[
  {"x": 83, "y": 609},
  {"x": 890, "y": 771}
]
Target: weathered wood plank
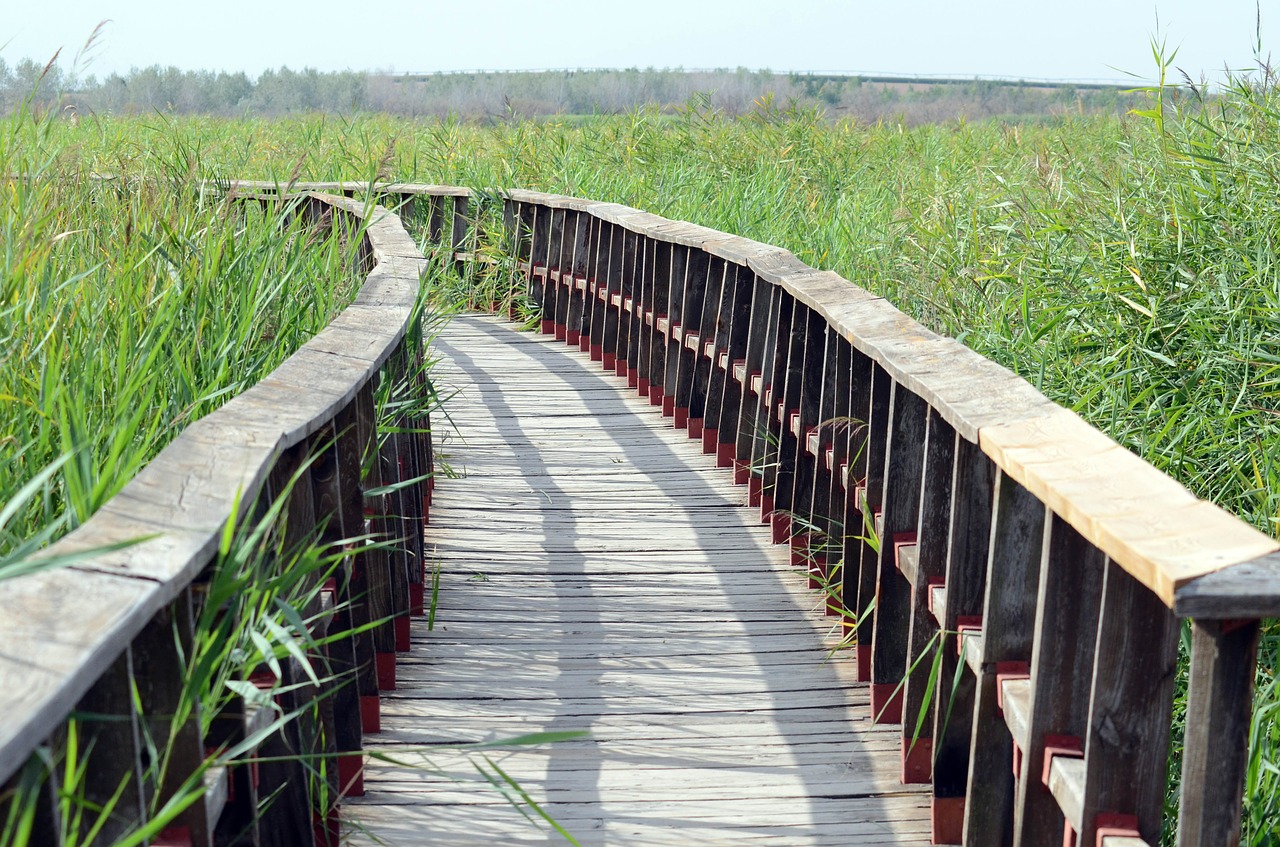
[
  {"x": 1145, "y": 521},
  {"x": 1216, "y": 745}
]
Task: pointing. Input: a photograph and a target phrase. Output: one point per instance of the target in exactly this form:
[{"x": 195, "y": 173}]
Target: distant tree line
[{"x": 499, "y": 95}]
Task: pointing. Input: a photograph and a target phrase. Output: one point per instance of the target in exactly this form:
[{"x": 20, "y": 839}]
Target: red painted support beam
[
  {"x": 917, "y": 761},
  {"x": 401, "y": 625},
  {"x": 370, "y": 713},
  {"x": 886, "y": 702},
  {"x": 711, "y": 443},
  {"x": 385, "y": 666},
  {"x": 946, "y": 820}
]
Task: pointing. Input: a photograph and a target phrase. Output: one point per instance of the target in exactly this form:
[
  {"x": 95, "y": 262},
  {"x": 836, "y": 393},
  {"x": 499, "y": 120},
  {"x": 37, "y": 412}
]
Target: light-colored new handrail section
[{"x": 63, "y": 629}]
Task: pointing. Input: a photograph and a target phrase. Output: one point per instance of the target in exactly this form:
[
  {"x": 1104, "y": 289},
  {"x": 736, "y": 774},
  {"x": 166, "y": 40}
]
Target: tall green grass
[
  {"x": 1127, "y": 266},
  {"x": 130, "y": 307},
  {"x": 1124, "y": 265}
]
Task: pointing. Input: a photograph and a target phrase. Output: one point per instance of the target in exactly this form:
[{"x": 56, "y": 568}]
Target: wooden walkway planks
[{"x": 600, "y": 574}]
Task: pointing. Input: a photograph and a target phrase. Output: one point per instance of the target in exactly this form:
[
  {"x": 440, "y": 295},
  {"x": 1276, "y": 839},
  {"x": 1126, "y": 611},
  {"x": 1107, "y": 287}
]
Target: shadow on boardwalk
[{"x": 600, "y": 574}]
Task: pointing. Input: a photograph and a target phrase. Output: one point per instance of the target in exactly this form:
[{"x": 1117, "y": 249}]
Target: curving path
[{"x": 599, "y": 573}]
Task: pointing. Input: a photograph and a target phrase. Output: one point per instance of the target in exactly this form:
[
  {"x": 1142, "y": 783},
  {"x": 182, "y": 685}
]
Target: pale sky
[{"x": 1075, "y": 39}]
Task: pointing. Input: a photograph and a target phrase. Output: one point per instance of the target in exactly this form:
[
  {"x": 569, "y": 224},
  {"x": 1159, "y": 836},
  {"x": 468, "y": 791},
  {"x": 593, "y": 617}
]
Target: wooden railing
[
  {"x": 944, "y": 505},
  {"x": 949, "y": 511},
  {"x": 94, "y": 656}
]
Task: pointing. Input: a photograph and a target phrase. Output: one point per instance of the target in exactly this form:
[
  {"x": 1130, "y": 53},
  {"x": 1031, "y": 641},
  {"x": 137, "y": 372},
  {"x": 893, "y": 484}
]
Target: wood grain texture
[
  {"x": 1216, "y": 746},
  {"x": 1137, "y": 515},
  {"x": 968, "y": 542},
  {"x": 901, "y": 487},
  {"x": 927, "y": 567},
  {"x": 1013, "y": 571},
  {"x": 675, "y": 633},
  {"x": 1162, "y": 544},
  {"x": 1143, "y": 520},
  {"x": 1247, "y": 590},
  {"x": 1066, "y": 629},
  {"x": 1126, "y": 750}
]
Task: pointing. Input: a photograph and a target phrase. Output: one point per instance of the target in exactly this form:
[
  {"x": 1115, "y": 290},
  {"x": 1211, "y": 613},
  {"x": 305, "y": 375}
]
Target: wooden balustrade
[
  {"x": 952, "y": 514},
  {"x": 95, "y": 657},
  {"x": 948, "y": 511}
]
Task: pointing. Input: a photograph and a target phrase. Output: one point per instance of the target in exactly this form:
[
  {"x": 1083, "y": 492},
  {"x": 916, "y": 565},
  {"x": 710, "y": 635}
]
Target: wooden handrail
[
  {"x": 79, "y": 638},
  {"x": 1029, "y": 438},
  {"x": 1104, "y": 492}
]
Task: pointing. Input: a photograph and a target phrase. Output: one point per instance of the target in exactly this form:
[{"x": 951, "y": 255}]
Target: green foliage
[
  {"x": 128, "y": 308},
  {"x": 1128, "y": 266},
  {"x": 493, "y": 95}
]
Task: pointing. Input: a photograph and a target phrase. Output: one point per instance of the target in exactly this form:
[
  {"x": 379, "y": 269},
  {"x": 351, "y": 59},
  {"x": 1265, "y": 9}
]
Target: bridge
[{"x": 730, "y": 549}]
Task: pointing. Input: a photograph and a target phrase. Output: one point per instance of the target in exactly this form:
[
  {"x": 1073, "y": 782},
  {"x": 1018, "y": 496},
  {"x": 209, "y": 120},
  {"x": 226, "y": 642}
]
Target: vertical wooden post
[
  {"x": 968, "y": 542},
  {"x": 283, "y": 769},
  {"x": 351, "y": 655},
  {"x": 762, "y": 299},
  {"x": 539, "y": 246},
  {"x": 773, "y": 383},
  {"x": 1216, "y": 745},
  {"x": 170, "y": 715},
  {"x": 573, "y": 275},
  {"x": 462, "y": 230},
  {"x": 628, "y": 363},
  {"x": 410, "y": 471},
  {"x": 731, "y": 346},
  {"x": 515, "y": 243},
  {"x": 374, "y": 560},
  {"x": 690, "y": 404},
  {"x": 598, "y": 290},
  {"x": 1126, "y": 750},
  {"x": 868, "y": 483},
  {"x": 435, "y": 221},
  {"x": 1066, "y": 630},
  {"x": 1013, "y": 572},
  {"x": 658, "y": 302},
  {"x": 803, "y": 414},
  {"x": 713, "y": 338},
  {"x": 852, "y": 470},
  {"x": 552, "y": 232},
  {"x": 826, "y": 519},
  {"x": 784, "y": 402},
  {"x": 643, "y": 307},
  {"x": 109, "y": 740},
  {"x": 843, "y": 430},
  {"x": 669, "y": 333},
  {"x": 613, "y": 336},
  {"x": 900, "y": 514},
  {"x": 924, "y": 642},
  {"x": 560, "y": 262}
]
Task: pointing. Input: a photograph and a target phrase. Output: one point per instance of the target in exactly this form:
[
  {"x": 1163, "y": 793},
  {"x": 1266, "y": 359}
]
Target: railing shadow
[{"x": 745, "y": 675}]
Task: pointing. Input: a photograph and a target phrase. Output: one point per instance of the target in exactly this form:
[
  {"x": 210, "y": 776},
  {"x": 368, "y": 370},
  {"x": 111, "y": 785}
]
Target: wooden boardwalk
[{"x": 598, "y": 573}]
